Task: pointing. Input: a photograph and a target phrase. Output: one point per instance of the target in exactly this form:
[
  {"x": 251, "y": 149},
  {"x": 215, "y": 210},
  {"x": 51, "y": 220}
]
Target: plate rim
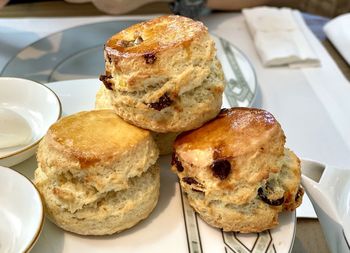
[{"x": 56, "y": 33}]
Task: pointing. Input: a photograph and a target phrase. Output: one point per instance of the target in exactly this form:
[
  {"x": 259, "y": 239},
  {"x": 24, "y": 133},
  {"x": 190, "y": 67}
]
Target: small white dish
[
  {"x": 36, "y": 104},
  {"x": 21, "y": 212}
]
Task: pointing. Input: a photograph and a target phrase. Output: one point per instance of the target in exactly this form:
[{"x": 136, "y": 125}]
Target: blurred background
[{"x": 327, "y": 8}]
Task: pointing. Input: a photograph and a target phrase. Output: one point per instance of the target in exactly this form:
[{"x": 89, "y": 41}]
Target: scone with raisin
[
  {"x": 97, "y": 174},
  {"x": 164, "y": 141},
  {"x": 163, "y": 74},
  {"x": 236, "y": 172}
]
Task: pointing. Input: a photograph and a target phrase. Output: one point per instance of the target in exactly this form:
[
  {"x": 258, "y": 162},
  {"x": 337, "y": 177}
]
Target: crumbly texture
[
  {"x": 109, "y": 213},
  {"x": 163, "y": 74},
  {"x": 90, "y": 165},
  {"x": 236, "y": 172},
  {"x": 187, "y": 111},
  {"x": 164, "y": 141},
  {"x": 103, "y": 99}
]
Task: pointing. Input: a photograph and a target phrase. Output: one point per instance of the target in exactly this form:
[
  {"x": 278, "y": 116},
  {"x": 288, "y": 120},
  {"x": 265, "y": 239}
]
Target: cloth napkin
[
  {"x": 338, "y": 32},
  {"x": 278, "y": 37}
]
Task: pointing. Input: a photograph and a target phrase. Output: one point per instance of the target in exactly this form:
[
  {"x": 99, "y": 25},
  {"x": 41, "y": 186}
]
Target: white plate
[
  {"x": 38, "y": 107},
  {"x": 77, "y": 53},
  {"x": 167, "y": 229},
  {"x": 21, "y": 212}
]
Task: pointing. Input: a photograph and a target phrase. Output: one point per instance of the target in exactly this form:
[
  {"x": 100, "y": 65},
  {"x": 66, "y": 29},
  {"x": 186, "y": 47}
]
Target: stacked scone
[
  {"x": 163, "y": 75},
  {"x": 97, "y": 174},
  {"x": 236, "y": 172}
]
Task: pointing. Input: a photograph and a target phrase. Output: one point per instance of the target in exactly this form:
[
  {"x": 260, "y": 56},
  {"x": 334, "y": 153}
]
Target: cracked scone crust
[
  {"x": 90, "y": 165},
  {"x": 236, "y": 172},
  {"x": 163, "y": 74}
]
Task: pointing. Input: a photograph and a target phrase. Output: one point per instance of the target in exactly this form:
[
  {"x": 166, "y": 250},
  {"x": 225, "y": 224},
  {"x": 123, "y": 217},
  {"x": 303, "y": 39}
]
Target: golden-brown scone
[
  {"x": 236, "y": 172},
  {"x": 163, "y": 74},
  {"x": 96, "y": 173},
  {"x": 158, "y": 48}
]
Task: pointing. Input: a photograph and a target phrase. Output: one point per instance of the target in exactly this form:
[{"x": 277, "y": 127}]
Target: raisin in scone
[
  {"x": 97, "y": 174},
  {"x": 236, "y": 172},
  {"x": 163, "y": 74},
  {"x": 164, "y": 141}
]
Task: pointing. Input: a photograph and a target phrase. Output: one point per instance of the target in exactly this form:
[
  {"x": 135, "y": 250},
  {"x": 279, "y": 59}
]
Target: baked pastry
[
  {"x": 103, "y": 99},
  {"x": 163, "y": 74},
  {"x": 97, "y": 174},
  {"x": 164, "y": 141},
  {"x": 236, "y": 172}
]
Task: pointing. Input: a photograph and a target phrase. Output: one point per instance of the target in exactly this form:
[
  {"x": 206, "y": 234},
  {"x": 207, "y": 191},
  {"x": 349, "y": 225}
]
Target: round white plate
[
  {"x": 21, "y": 212},
  {"x": 77, "y": 53},
  {"x": 172, "y": 226}
]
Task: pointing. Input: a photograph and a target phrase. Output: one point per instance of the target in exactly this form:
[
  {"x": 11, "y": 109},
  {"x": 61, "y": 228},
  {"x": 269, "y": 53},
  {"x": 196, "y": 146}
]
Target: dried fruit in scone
[
  {"x": 163, "y": 74},
  {"x": 164, "y": 141},
  {"x": 236, "y": 172}
]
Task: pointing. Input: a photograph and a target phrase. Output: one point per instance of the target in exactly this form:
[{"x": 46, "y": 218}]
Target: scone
[
  {"x": 97, "y": 174},
  {"x": 163, "y": 74},
  {"x": 236, "y": 172},
  {"x": 164, "y": 141}
]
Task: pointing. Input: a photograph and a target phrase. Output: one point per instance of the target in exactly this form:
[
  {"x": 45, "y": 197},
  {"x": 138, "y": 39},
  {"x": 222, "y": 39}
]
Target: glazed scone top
[
  {"x": 172, "y": 53},
  {"x": 234, "y": 132},
  {"x": 234, "y": 155},
  {"x": 94, "y": 136},
  {"x": 154, "y": 36}
]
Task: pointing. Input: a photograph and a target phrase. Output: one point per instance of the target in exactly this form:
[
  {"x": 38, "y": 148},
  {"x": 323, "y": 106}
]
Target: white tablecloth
[{"x": 312, "y": 105}]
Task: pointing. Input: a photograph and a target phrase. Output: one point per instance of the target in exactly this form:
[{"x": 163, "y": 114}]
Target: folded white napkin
[
  {"x": 279, "y": 38},
  {"x": 338, "y": 32}
]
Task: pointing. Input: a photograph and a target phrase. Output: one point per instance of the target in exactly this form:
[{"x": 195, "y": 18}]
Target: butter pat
[{"x": 14, "y": 129}]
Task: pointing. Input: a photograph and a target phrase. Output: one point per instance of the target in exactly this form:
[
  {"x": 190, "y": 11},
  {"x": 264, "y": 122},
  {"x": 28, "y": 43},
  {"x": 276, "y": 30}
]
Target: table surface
[{"x": 309, "y": 236}]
